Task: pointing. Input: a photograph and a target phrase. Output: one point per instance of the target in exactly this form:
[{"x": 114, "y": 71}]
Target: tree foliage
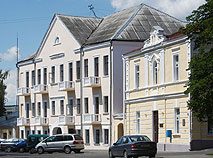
[
  {"x": 3, "y": 76},
  {"x": 200, "y": 85}
]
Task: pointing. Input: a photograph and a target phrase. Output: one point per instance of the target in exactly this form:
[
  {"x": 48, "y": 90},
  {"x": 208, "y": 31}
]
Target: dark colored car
[
  {"x": 33, "y": 140},
  {"x": 7, "y": 144},
  {"x": 133, "y": 146},
  {"x": 20, "y": 146}
]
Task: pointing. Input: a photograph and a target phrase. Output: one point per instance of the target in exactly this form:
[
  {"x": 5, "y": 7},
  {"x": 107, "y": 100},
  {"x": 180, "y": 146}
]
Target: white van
[{"x": 61, "y": 142}]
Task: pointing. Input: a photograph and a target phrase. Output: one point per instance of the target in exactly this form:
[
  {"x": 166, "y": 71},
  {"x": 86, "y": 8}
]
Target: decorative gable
[{"x": 156, "y": 36}]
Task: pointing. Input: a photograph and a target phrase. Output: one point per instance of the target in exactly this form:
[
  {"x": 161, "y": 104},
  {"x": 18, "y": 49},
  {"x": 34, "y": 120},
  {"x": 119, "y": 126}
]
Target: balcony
[
  {"x": 66, "y": 120},
  {"x": 66, "y": 86},
  {"x": 92, "y": 118},
  {"x": 92, "y": 82},
  {"x": 25, "y": 91},
  {"x": 41, "y": 121},
  {"x": 40, "y": 89},
  {"x": 23, "y": 121}
]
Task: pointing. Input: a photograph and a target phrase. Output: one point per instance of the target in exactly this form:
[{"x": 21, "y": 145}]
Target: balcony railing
[
  {"x": 66, "y": 120},
  {"x": 23, "y": 121},
  {"x": 25, "y": 91},
  {"x": 41, "y": 121},
  {"x": 40, "y": 88},
  {"x": 66, "y": 86},
  {"x": 92, "y": 118},
  {"x": 92, "y": 82}
]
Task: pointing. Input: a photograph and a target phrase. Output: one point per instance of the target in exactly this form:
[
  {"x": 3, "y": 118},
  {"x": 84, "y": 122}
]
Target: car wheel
[
  {"x": 151, "y": 156},
  {"x": 9, "y": 149},
  {"x": 32, "y": 151},
  {"x": 21, "y": 150},
  {"x": 77, "y": 151},
  {"x": 40, "y": 150},
  {"x": 110, "y": 154},
  {"x": 126, "y": 154},
  {"x": 67, "y": 149}
]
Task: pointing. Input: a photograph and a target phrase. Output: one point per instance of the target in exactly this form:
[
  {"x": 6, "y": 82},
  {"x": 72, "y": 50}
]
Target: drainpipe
[
  {"x": 34, "y": 95},
  {"x": 124, "y": 95},
  {"x": 81, "y": 90},
  {"x": 110, "y": 56}
]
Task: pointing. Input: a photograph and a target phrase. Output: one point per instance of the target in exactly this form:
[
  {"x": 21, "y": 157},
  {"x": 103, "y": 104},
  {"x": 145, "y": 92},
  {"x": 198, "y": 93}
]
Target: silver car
[{"x": 61, "y": 142}]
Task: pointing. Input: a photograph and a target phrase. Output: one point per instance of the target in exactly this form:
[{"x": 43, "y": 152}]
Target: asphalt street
[{"x": 104, "y": 154}]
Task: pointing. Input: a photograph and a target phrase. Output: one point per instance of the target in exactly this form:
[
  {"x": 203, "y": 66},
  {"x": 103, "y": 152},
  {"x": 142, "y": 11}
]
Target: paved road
[{"x": 104, "y": 154}]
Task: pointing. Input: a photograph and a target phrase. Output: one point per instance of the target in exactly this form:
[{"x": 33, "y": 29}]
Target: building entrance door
[{"x": 155, "y": 126}]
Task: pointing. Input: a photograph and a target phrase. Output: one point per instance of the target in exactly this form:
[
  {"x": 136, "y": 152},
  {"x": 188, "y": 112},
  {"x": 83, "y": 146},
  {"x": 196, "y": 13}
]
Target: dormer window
[{"x": 57, "y": 40}]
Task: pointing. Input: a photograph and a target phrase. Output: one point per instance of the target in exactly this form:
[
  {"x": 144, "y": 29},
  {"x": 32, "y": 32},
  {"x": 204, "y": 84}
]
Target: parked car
[
  {"x": 20, "y": 146},
  {"x": 61, "y": 142},
  {"x": 7, "y": 144},
  {"x": 133, "y": 146},
  {"x": 33, "y": 140}
]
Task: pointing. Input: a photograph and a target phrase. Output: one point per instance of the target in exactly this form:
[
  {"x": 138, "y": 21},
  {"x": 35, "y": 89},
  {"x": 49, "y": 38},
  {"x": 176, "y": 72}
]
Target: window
[
  {"x": 70, "y": 72},
  {"x": 96, "y": 105},
  {"x": 39, "y": 108},
  {"x": 57, "y": 40},
  {"x": 70, "y": 108},
  {"x": 27, "y": 79},
  {"x": 106, "y": 106},
  {"x": 106, "y": 136},
  {"x": 58, "y": 138},
  {"x": 39, "y": 76},
  {"x": 53, "y": 74},
  {"x": 22, "y": 134},
  {"x": 62, "y": 107},
  {"x": 106, "y": 67},
  {"x": 138, "y": 122},
  {"x": 86, "y": 106},
  {"x": 45, "y": 76},
  {"x": 85, "y": 67},
  {"x": 155, "y": 72},
  {"x": 97, "y": 136},
  {"x": 68, "y": 137},
  {"x": 177, "y": 120},
  {"x": 78, "y": 67},
  {"x": 87, "y": 136},
  {"x": 27, "y": 110},
  {"x": 210, "y": 126},
  {"x": 39, "y": 132},
  {"x": 45, "y": 109},
  {"x": 61, "y": 73},
  {"x": 78, "y": 131},
  {"x": 96, "y": 66},
  {"x": 53, "y": 107},
  {"x": 33, "y": 78},
  {"x": 78, "y": 106},
  {"x": 33, "y": 110},
  {"x": 137, "y": 76},
  {"x": 176, "y": 67}
]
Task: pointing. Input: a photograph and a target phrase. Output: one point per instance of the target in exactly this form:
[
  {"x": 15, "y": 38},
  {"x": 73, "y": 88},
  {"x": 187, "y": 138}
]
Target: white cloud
[
  {"x": 11, "y": 83},
  {"x": 177, "y": 8},
  {"x": 10, "y": 55}
]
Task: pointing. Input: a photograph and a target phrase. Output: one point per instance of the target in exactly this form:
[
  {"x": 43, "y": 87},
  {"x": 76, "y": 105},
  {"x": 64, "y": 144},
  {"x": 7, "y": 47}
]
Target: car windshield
[
  {"x": 77, "y": 137},
  {"x": 139, "y": 138}
]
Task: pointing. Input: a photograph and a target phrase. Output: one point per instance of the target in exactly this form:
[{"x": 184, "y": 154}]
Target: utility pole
[{"x": 92, "y": 9}]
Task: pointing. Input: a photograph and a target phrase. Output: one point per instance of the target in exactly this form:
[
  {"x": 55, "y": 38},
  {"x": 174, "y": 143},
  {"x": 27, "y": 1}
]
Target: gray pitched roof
[
  {"x": 80, "y": 27},
  {"x": 133, "y": 24}
]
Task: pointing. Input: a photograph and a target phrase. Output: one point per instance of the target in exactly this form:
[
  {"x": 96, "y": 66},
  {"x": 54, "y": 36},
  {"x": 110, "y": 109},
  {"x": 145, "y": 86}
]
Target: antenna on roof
[{"x": 92, "y": 9}]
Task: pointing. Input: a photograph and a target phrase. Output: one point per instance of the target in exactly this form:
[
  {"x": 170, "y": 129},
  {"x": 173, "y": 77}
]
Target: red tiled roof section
[{"x": 132, "y": 51}]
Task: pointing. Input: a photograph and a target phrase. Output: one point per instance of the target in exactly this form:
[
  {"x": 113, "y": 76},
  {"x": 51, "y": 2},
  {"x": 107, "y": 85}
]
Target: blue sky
[{"x": 31, "y": 18}]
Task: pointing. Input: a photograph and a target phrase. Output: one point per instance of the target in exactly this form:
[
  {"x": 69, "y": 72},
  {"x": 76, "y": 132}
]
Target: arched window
[
  {"x": 155, "y": 72},
  {"x": 57, "y": 40}
]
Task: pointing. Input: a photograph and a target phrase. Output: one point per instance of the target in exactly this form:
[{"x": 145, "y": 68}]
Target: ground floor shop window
[
  {"x": 97, "y": 136},
  {"x": 39, "y": 132},
  {"x": 79, "y": 132},
  {"x": 22, "y": 134},
  {"x": 87, "y": 138},
  {"x": 106, "y": 136}
]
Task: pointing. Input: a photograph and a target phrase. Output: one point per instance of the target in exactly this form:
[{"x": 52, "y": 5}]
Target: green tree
[
  {"x": 3, "y": 76},
  {"x": 200, "y": 85}
]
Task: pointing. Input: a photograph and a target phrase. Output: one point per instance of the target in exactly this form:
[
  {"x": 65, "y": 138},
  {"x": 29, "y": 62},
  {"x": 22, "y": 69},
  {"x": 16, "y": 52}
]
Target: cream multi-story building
[
  {"x": 73, "y": 83},
  {"x": 155, "y": 79}
]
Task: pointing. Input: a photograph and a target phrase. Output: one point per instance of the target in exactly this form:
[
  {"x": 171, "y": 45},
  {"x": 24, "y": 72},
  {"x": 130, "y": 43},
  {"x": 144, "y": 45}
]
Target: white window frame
[
  {"x": 61, "y": 73},
  {"x": 87, "y": 68},
  {"x": 57, "y": 40},
  {"x": 85, "y": 105},
  {"x": 174, "y": 75},
  {"x": 104, "y": 140},
  {"x": 87, "y": 143},
  {"x": 27, "y": 110},
  {"x": 78, "y": 113},
  {"x": 95, "y": 137},
  {"x": 61, "y": 106},
  {"x": 52, "y": 107},
  {"x": 137, "y": 122},
  {"x": 69, "y": 78},
  {"x": 39, "y": 109},
  {"x": 177, "y": 121},
  {"x": 33, "y": 110},
  {"x": 137, "y": 76},
  {"x": 104, "y": 73},
  {"x": 43, "y": 103},
  {"x": 155, "y": 74},
  {"x": 105, "y": 104},
  {"x": 71, "y": 106},
  {"x": 96, "y": 96},
  {"x": 43, "y": 75},
  {"x": 53, "y": 77},
  {"x": 97, "y": 56}
]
